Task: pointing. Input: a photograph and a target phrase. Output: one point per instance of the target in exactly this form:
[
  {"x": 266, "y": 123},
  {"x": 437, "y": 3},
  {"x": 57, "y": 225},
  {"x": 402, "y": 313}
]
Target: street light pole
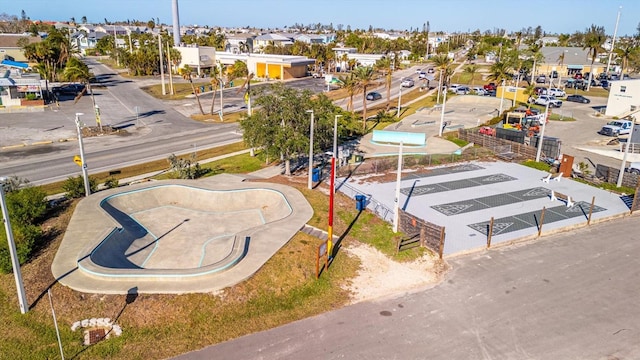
[
  {"x": 624, "y": 157},
  {"x": 310, "y": 181},
  {"x": 164, "y": 90},
  {"x": 396, "y": 217},
  {"x": 85, "y": 175},
  {"x": 439, "y": 88},
  {"x": 399, "y": 97},
  {"x": 22, "y": 298},
  {"x": 332, "y": 186},
  {"x": 613, "y": 42},
  {"x": 501, "y": 97},
  {"x": 444, "y": 105},
  {"x": 546, "y": 118}
]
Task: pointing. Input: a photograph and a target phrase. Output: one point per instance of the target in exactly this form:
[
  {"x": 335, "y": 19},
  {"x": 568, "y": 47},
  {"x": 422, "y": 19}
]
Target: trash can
[
  {"x": 357, "y": 158},
  {"x": 315, "y": 175},
  {"x": 202, "y": 89},
  {"x": 361, "y": 202}
]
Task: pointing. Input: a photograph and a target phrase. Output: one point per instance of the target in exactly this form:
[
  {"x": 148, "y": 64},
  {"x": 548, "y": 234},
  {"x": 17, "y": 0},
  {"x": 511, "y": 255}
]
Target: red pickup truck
[{"x": 490, "y": 87}]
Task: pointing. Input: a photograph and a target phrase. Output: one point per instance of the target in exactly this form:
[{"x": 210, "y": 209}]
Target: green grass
[
  {"x": 238, "y": 164},
  {"x": 537, "y": 165},
  {"x": 150, "y": 167}
]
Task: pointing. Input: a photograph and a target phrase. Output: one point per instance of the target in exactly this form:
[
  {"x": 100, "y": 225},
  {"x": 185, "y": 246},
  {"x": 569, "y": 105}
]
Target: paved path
[{"x": 570, "y": 296}]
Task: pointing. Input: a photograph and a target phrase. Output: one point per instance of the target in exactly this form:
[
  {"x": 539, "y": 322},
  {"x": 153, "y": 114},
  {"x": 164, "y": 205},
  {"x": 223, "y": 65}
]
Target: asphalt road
[
  {"x": 155, "y": 129},
  {"x": 569, "y": 296}
]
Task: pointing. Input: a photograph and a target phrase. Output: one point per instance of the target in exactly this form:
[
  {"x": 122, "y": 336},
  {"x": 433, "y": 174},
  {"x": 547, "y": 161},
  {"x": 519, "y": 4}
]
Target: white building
[
  {"x": 624, "y": 97},
  {"x": 198, "y": 58}
]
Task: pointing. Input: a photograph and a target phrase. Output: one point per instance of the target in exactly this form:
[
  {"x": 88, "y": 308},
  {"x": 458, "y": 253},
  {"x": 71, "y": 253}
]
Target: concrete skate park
[{"x": 177, "y": 236}]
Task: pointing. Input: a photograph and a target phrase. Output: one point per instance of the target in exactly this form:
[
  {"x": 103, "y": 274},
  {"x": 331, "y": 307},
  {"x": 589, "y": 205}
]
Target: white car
[
  {"x": 479, "y": 91},
  {"x": 407, "y": 83},
  {"x": 554, "y": 92},
  {"x": 454, "y": 87},
  {"x": 462, "y": 90}
]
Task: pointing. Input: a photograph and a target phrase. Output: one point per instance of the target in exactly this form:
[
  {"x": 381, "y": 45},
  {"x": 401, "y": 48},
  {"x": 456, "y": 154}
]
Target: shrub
[
  {"x": 26, "y": 205},
  {"x": 111, "y": 183},
  {"x": 24, "y": 237},
  {"x": 74, "y": 186}
]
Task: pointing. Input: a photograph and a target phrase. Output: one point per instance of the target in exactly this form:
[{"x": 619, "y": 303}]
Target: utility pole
[
  {"x": 85, "y": 174},
  {"x": 164, "y": 91},
  {"x": 613, "y": 42},
  {"x": 15, "y": 263}
]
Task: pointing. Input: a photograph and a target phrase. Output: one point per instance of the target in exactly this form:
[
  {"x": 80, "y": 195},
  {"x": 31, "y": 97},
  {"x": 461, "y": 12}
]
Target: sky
[{"x": 555, "y": 16}]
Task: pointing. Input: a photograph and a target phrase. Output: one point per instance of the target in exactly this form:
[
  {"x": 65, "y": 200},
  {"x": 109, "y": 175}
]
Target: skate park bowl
[{"x": 177, "y": 236}]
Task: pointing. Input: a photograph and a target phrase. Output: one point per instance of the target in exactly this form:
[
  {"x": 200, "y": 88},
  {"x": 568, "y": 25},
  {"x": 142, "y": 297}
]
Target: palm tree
[
  {"x": 76, "y": 70},
  {"x": 499, "y": 71},
  {"x": 442, "y": 61},
  {"x": 350, "y": 84},
  {"x": 216, "y": 74},
  {"x": 186, "y": 74},
  {"x": 384, "y": 65},
  {"x": 471, "y": 70},
  {"x": 625, "y": 50},
  {"x": 594, "y": 38},
  {"x": 365, "y": 76}
]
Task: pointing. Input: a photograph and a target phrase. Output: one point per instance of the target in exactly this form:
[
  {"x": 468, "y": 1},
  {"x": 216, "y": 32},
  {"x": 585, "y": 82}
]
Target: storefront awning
[{"x": 575, "y": 67}]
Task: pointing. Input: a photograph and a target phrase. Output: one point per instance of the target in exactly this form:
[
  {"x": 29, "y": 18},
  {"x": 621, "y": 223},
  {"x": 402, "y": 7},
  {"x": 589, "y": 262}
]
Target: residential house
[
  {"x": 262, "y": 41},
  {"x": 9, "y": 48},
  {"x": 239, "y": 43}
]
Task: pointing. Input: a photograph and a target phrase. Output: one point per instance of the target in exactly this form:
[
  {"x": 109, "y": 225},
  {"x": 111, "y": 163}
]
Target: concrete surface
[
  {"x": 177, "y": 236},
  {"x": 570, "y": 296},
  {"x": 455, "y": 201}
]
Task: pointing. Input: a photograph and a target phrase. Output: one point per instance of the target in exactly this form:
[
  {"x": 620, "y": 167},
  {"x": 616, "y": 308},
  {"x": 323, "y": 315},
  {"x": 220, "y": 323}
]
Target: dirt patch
[
  {"x": 381, "y": 277},
  {"x": 93, "y": 131}
]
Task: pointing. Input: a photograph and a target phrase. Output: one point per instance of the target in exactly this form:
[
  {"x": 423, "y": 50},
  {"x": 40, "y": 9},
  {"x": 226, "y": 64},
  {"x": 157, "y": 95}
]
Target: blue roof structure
[{"x": 15, "y": 64}]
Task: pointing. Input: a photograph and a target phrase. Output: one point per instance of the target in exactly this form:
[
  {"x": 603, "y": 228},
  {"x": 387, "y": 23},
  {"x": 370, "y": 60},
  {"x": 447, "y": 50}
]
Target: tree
[
  {"x": 280, "y": 125},
  {"x": 471, "y": 70},
  {"x": 216, "y": 77},
  {"x": 365, "y": 76},
  {"x": 499, "y": 71},
  {"x": 84, "y": 19},
  {"x": 594, "y": 38},
  {"x": 385, "y": 66},
  {"x": 350, "y": 84},
  {"x": 187, "y": 74}
]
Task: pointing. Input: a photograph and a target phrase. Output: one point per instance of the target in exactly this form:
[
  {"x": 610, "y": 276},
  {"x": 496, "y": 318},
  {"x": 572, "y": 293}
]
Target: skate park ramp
[{"x": 177, "y": 236}]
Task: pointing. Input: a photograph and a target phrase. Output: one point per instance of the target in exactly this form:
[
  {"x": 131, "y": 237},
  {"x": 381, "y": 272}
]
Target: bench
[
  {"x": 559, "y": 196},
  {"x": 548, "y": 177}
]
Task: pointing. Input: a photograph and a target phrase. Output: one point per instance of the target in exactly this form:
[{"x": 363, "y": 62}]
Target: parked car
[
  {"x": 490, "y": 87},
  {"x": 617, "y": 127},
  {"x": 578, "y": 98},
  {"x": 634, "y": 168},
  {"x": 67, "y": 89},
  {"x": 317, "y": 75},
  {"x": 454, "y": 87},
  {"x": 462, "y": 90},
  {"x": 479, "y": 91},
  {"x": 407, "y": 83},
  {"x": 577, "y": 76},
  {"x": 604, "y": 83},
  {"x": 554, "y": 92},
  {"x": 541, "y": 79},
  {"x": 546, "y": 99},
  {"x": 372, "y": 96}
]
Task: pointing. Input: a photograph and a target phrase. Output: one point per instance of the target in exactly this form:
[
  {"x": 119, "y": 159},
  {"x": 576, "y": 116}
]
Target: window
[{"x": 623, "y": 89}]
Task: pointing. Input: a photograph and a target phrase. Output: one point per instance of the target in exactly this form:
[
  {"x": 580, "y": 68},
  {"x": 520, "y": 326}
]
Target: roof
[
  {"x": 11, "y": 40},
  {"x": 272, "y": 37},
  {"x": 15, "y": 64},
  {"x": 572, "y": 55}
]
